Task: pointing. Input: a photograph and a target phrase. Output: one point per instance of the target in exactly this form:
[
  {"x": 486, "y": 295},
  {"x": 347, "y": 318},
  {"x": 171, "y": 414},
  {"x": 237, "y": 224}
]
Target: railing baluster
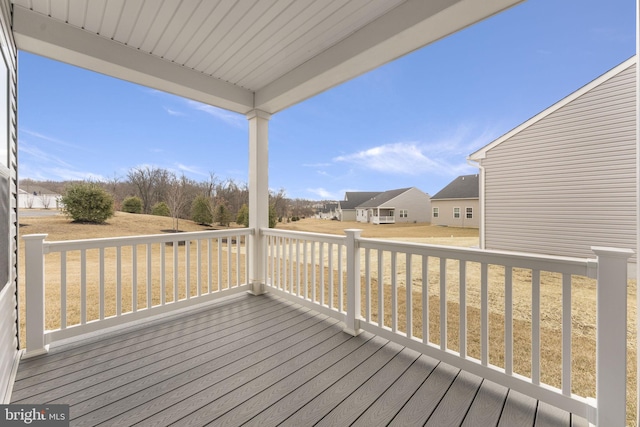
[
  {"x": 219, "y": 264},
  {"x": 340, "y": 280},
  {"x": 367, "y": 281},
  {"x": 298, "y": 267},
  {"x": 187, "y": 269},
  {"x": 163, "y": 272},
  {"x": 149, "y": 281},
  {"x": 484, "y": 314},
  {"x": 134, "y": 278},
  {"x": 321, "y": 256},
  {"x": 175, "y": 272},
  {"x": 199, "y": 266},
  {"x": 380, "y": 289},
  {"x": 330, "y": 254},
  {"x": 425, "y": 299},
  {"x": 508, "y": 320},
  {"x": 118, "y": 280},
  {"x": 63, "y": 290},
  {"x": 443, "y": 303},
  {"x": 210, "y": 265},
  {"x": 83, "y": 287},
  {"x": 535, "y": 327},
  {"x": 409, "y": 297},
  {"x": 229, "y": 262},
  {"x": 463, "y": 308},
  {"x": 313, "y": 271},
  {"x": 290, "y": 260},
  {"x": 566, "y": 334},
  {"x": 102, "y": 301},
  {"x": 394, "y": 292},
  {"x": 238, "y": 263},
  {"x": 306, "y": 270}
]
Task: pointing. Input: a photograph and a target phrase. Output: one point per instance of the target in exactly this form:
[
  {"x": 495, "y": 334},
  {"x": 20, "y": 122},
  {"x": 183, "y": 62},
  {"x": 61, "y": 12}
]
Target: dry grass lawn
[{"x": 583, "y": 311}]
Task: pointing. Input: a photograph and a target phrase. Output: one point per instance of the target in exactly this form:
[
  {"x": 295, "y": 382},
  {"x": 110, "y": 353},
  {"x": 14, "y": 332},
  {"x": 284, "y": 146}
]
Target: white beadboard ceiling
[{"x": 239, "y": 54}]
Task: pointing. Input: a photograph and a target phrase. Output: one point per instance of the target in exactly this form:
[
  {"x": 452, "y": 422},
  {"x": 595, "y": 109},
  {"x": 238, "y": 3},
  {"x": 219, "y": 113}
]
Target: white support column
[
  {"x": 258, "y": 195},
  {"x": 611, "y": 335},
  {"x": 34, "y": 294},
  {"x": 352, "y": 321}
]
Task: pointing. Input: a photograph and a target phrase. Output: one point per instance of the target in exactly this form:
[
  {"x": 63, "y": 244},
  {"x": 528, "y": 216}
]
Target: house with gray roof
[
  {"x": 457, "y": 204},
  {"x": 401, "y": 205},
  {"x": 352, "y": 199}
]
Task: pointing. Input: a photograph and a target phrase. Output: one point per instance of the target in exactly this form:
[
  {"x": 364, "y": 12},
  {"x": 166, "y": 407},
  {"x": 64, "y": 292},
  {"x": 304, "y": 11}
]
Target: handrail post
[
  {"x": 34, "y": 294},
  {"x": 352, "y": 320},
  {"x": 611, "y": 335}
]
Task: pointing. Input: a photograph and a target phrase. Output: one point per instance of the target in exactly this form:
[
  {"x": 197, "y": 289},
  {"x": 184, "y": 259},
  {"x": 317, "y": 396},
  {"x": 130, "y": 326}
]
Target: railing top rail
[
  {"x": 304, "y": 235},
  {"x": 67, "y": 245},
  {"x": 570, "y": 265}
]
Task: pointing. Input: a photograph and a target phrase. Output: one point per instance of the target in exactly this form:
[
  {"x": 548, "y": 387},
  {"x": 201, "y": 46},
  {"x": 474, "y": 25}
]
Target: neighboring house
[
  {"x": 401, "y": 205},
  {"x": 457, "y": 204},
  {"x": 347, "y": 207},
  {"x": 328, "y": 211},
  {"x": 565, "y": 180},
  {"x": 36, "y": 197}
]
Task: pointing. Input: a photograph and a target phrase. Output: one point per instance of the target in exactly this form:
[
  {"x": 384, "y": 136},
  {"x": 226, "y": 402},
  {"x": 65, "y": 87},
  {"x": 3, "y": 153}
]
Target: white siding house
[
  {"x": 401, "y": 205},
  {"x": 565, "y": 180},
  {"x": 457, "y": 204},
  {"x": 8, "y": 206},
  {"x": 347, "y": 207}
]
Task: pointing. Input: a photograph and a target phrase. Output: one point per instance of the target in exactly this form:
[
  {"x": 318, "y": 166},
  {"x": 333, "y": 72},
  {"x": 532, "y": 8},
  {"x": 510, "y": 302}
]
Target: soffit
[{"x": 238, "y": 54}]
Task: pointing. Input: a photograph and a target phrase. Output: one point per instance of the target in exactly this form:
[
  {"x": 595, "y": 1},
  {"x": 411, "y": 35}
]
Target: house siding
[
  {"x": 567, "y": 182},
  {"x": 445, "y": 214},
  {"x": 8, "y": 299},
  {"x": 417, "y": 204}
]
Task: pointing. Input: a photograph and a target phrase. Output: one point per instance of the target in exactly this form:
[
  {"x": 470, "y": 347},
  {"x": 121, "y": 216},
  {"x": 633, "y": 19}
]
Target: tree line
[{"x": 154, "y": 190}]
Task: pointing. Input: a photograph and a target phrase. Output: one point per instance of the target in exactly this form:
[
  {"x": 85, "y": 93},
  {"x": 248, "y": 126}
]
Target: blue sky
[{"x": 409, "y": 123}]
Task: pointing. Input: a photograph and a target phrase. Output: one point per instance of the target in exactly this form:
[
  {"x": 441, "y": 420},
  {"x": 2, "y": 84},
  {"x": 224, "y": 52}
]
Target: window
[
  {"x": 456, "y": 212},
  {"x": 436, "y": 212},
  {"x": 469, "y": 213},
  {"x": 404, "y": 213}
]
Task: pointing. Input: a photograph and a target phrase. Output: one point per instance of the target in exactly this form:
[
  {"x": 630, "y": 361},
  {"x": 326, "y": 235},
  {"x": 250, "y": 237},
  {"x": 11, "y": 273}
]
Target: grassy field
[{"x": 583, "y": 293}]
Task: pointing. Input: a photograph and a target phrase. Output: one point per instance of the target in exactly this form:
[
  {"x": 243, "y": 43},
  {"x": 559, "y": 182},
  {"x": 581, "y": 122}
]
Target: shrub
[
  {"x": 132, "y": 204},
  {"x": 243, "y": 216},
  {"x": 223, "y": 216},
  {"x": 201, "y": 210},
  {"x": 160, "y": 209},
  {"x": 87, "y": 202}
]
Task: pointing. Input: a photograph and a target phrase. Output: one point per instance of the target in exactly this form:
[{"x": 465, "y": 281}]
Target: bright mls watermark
[{"x": 34, "y": 415}]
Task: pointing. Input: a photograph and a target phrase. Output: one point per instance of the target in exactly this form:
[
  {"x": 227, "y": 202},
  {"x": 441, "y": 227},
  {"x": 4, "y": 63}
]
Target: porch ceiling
[{"x": 239, "y": 54}]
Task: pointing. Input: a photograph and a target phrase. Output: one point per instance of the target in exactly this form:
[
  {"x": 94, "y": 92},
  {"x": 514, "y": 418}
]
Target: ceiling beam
[
  {"x": 54, "y": 39},
  {"x": 408, "y": 27}
]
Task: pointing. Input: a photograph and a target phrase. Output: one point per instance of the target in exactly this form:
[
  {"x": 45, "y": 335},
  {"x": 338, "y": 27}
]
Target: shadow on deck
[{"x": 264, "y": 361}]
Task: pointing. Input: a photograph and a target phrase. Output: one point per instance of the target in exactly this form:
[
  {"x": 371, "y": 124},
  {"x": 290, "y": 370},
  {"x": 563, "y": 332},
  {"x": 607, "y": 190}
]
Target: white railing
[
  {"x": 99, "y": 283},
  {"x": 383, "y": 219},
  {"x": 324, "y": 271}
]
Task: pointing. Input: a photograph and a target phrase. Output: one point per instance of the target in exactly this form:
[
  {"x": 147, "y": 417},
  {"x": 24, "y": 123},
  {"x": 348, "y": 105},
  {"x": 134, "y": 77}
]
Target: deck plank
[
  {"x": 392, "y": 400},
  {"x": 425, "y": 400},
  {"x": 454, "y": 405},
  {"x": 264, "y": 361},
  {"x": 322, "y": 404},
  {"x": 519, "y": 410},
  {"x": 487, "y": 407}
]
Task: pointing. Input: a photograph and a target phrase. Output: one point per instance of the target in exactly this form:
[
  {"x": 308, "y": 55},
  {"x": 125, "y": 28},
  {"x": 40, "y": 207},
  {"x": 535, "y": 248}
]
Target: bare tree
[
  {"x": 46, "y": 200},
  {"x": 176, "y": 197},
  {"x": 151, "y": 184}
]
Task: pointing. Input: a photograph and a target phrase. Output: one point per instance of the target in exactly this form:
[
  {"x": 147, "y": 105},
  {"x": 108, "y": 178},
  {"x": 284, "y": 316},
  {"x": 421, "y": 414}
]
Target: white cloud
[
  {"x": 226, "y": 116},
  {"x": 174, "y": 112},
  {"x": 323, "y": 194},
  {"x": 397, "y": 158},
  {"x": 190, "y": 169}
]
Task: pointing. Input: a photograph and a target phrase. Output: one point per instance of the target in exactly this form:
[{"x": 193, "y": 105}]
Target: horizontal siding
[
  {"x": 8, "y": 340},
  {"x": 567, "y": 182},
  {"x": 445, "y": 213}
]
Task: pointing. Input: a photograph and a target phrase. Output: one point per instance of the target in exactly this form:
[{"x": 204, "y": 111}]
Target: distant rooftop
[{"x": 463, "y": 187}]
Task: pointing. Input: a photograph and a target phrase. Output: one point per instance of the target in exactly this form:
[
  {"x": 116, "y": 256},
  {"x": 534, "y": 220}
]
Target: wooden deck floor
[{"x": 262, "y": 361}]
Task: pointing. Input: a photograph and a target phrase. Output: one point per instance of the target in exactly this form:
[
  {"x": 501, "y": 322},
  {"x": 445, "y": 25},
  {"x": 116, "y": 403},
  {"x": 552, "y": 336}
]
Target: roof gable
[
  {"x": 355, "y": 198},
  {"x": 463, "y": 187},
  {"x": 481, "y": 153},
  {"x": 383, "y": 198}
]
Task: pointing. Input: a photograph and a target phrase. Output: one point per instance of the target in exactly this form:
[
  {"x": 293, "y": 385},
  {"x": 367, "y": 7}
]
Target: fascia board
[{"x": 51, "y": 38}]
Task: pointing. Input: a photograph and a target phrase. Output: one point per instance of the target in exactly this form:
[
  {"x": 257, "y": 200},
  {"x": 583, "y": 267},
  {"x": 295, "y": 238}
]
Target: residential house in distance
[
  {"x": 37, "y": 197},
  {"x": 327, "y": 211},
  {"x": 564, "y": 180},
  {"x": 401, "y": 205},
  {"x": 457, "y": 204},
  {"x": 352, "y": 199}
]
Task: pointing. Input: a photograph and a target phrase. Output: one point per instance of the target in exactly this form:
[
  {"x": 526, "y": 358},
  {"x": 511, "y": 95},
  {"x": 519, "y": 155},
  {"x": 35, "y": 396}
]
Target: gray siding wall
[
  {"x": 445, "y": 213},
  {"x": 567, "y": 182},
  {"x": 8, "y": 303},
  {"x": 417, "y": 203}
]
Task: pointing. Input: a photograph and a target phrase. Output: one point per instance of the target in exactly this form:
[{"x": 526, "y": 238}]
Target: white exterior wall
[
  {"x": 445, "y": 213},
  {"x": 347, "y": 215},
  {"x": 8, "y": 302},
  {"x": 567, "y": 182},
  {"x": 417, "y": 203}
]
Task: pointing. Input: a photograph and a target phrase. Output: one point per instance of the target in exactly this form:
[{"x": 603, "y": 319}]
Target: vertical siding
[
  {"x": 8, "y": 302},
  {"x": 567, "y": 182},
  {"x": 445, "y": 214}
]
